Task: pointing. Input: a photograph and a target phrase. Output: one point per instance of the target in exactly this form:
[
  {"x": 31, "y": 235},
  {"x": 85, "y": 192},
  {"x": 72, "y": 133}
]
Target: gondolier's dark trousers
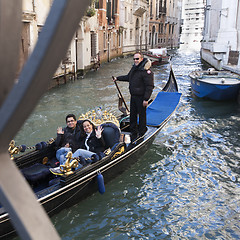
[{"x": 137, "y": 109}]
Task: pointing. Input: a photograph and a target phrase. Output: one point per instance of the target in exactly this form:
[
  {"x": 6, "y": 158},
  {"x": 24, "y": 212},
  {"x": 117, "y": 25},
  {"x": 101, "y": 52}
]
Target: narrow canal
[{"x": 187, "y": 186}]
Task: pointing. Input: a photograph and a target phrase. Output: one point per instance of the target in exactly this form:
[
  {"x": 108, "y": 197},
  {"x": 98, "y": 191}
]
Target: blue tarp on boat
[{"x": 162, "y": 107}]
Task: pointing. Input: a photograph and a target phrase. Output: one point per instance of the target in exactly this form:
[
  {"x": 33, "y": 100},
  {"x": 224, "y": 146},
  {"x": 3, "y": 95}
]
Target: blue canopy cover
[{"x": 162, "y": 107}]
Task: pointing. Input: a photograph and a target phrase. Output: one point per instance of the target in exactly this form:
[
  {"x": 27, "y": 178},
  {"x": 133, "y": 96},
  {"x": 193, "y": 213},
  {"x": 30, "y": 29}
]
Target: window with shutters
[
  {"x": 93, "y": 44},
  {"x": 233, "y": 57},
  {"x": 104, "y": 41}
]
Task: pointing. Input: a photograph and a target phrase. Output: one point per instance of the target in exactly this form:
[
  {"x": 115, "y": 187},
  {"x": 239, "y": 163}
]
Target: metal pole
[{"x": 28, "y": 217}]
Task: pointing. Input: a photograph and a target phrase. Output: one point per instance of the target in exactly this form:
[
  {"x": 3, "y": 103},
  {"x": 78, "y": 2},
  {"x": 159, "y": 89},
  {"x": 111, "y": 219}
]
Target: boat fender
[
  {"x": 100, "y": 180},
  {"x": 23, "y": 148},
  {"x": 38, "y": 146}
]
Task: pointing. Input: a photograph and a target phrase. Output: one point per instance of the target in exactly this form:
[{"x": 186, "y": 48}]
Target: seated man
[{"x": 68, "y": 139}]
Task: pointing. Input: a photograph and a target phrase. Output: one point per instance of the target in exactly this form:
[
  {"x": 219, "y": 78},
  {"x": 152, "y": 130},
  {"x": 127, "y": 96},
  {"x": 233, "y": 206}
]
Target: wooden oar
[{"x": 121, "y": 95}]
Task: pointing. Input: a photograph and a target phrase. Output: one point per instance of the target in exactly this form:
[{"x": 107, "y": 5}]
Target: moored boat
[
  {"x": 158, "y": 56},
  {"x": 56, "y": 192},
  {"x": 215, "y": 85}
]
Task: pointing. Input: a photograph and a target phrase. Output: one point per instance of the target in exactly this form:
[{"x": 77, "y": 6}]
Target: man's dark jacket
[
  {"x": 140, "y": 79},
  {"x": 71, "y": 136}
]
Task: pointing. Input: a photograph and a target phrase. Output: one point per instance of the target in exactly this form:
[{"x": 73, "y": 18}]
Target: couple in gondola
[{"x": 81, "y": 138}]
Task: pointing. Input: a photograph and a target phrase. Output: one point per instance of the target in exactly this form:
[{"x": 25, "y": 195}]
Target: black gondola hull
[{"x": 69, "y": 190}]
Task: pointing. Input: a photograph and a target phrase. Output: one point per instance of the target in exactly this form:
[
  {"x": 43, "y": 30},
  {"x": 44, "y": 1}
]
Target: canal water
[{"x": 187, "y": 186}]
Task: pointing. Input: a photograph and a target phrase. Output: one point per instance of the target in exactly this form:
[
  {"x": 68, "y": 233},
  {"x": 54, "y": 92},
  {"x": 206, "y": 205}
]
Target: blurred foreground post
[{"x": 17, "y": 100}]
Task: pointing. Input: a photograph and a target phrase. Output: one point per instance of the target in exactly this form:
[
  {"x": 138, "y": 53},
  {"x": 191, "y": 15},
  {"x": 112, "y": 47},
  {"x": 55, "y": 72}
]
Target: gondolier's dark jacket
[
  {"x": 140, "y": 78},
  {"x": 71, "y": 136},
  {"x": 95, "y": 144}
]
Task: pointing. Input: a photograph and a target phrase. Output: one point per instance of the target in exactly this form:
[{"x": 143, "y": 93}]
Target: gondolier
[{"x": 141, "y": 84}]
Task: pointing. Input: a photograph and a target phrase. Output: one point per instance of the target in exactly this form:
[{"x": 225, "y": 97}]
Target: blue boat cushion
[
  {"x": 162, "y": 107},
  {"x": 36, "y": 173},
  {"x": 111, "y": 134}
]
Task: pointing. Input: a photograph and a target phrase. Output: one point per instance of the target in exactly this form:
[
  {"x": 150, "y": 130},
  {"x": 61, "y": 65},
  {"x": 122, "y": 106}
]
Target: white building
[
  {"x": 173, "y": 17},
  {"x": 83, "y": 49},
  {"x": 192, "y": 23},
  {"x": 221, "y": 42},
  {"x": 34, "y": 15},
  {"x": 133, "y": 22},
  {"x": 85, "y": 46}
]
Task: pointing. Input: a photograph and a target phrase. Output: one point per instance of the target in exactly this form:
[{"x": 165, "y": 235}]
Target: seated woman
[{"x": 91, "y": 141}]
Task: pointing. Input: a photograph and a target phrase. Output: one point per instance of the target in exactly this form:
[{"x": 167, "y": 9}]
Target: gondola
[{"x": 56, "y": 192}]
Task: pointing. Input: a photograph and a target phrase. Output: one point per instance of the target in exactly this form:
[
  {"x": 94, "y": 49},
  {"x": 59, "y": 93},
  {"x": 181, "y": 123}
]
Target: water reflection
[{"x": 185, "y": 187}]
